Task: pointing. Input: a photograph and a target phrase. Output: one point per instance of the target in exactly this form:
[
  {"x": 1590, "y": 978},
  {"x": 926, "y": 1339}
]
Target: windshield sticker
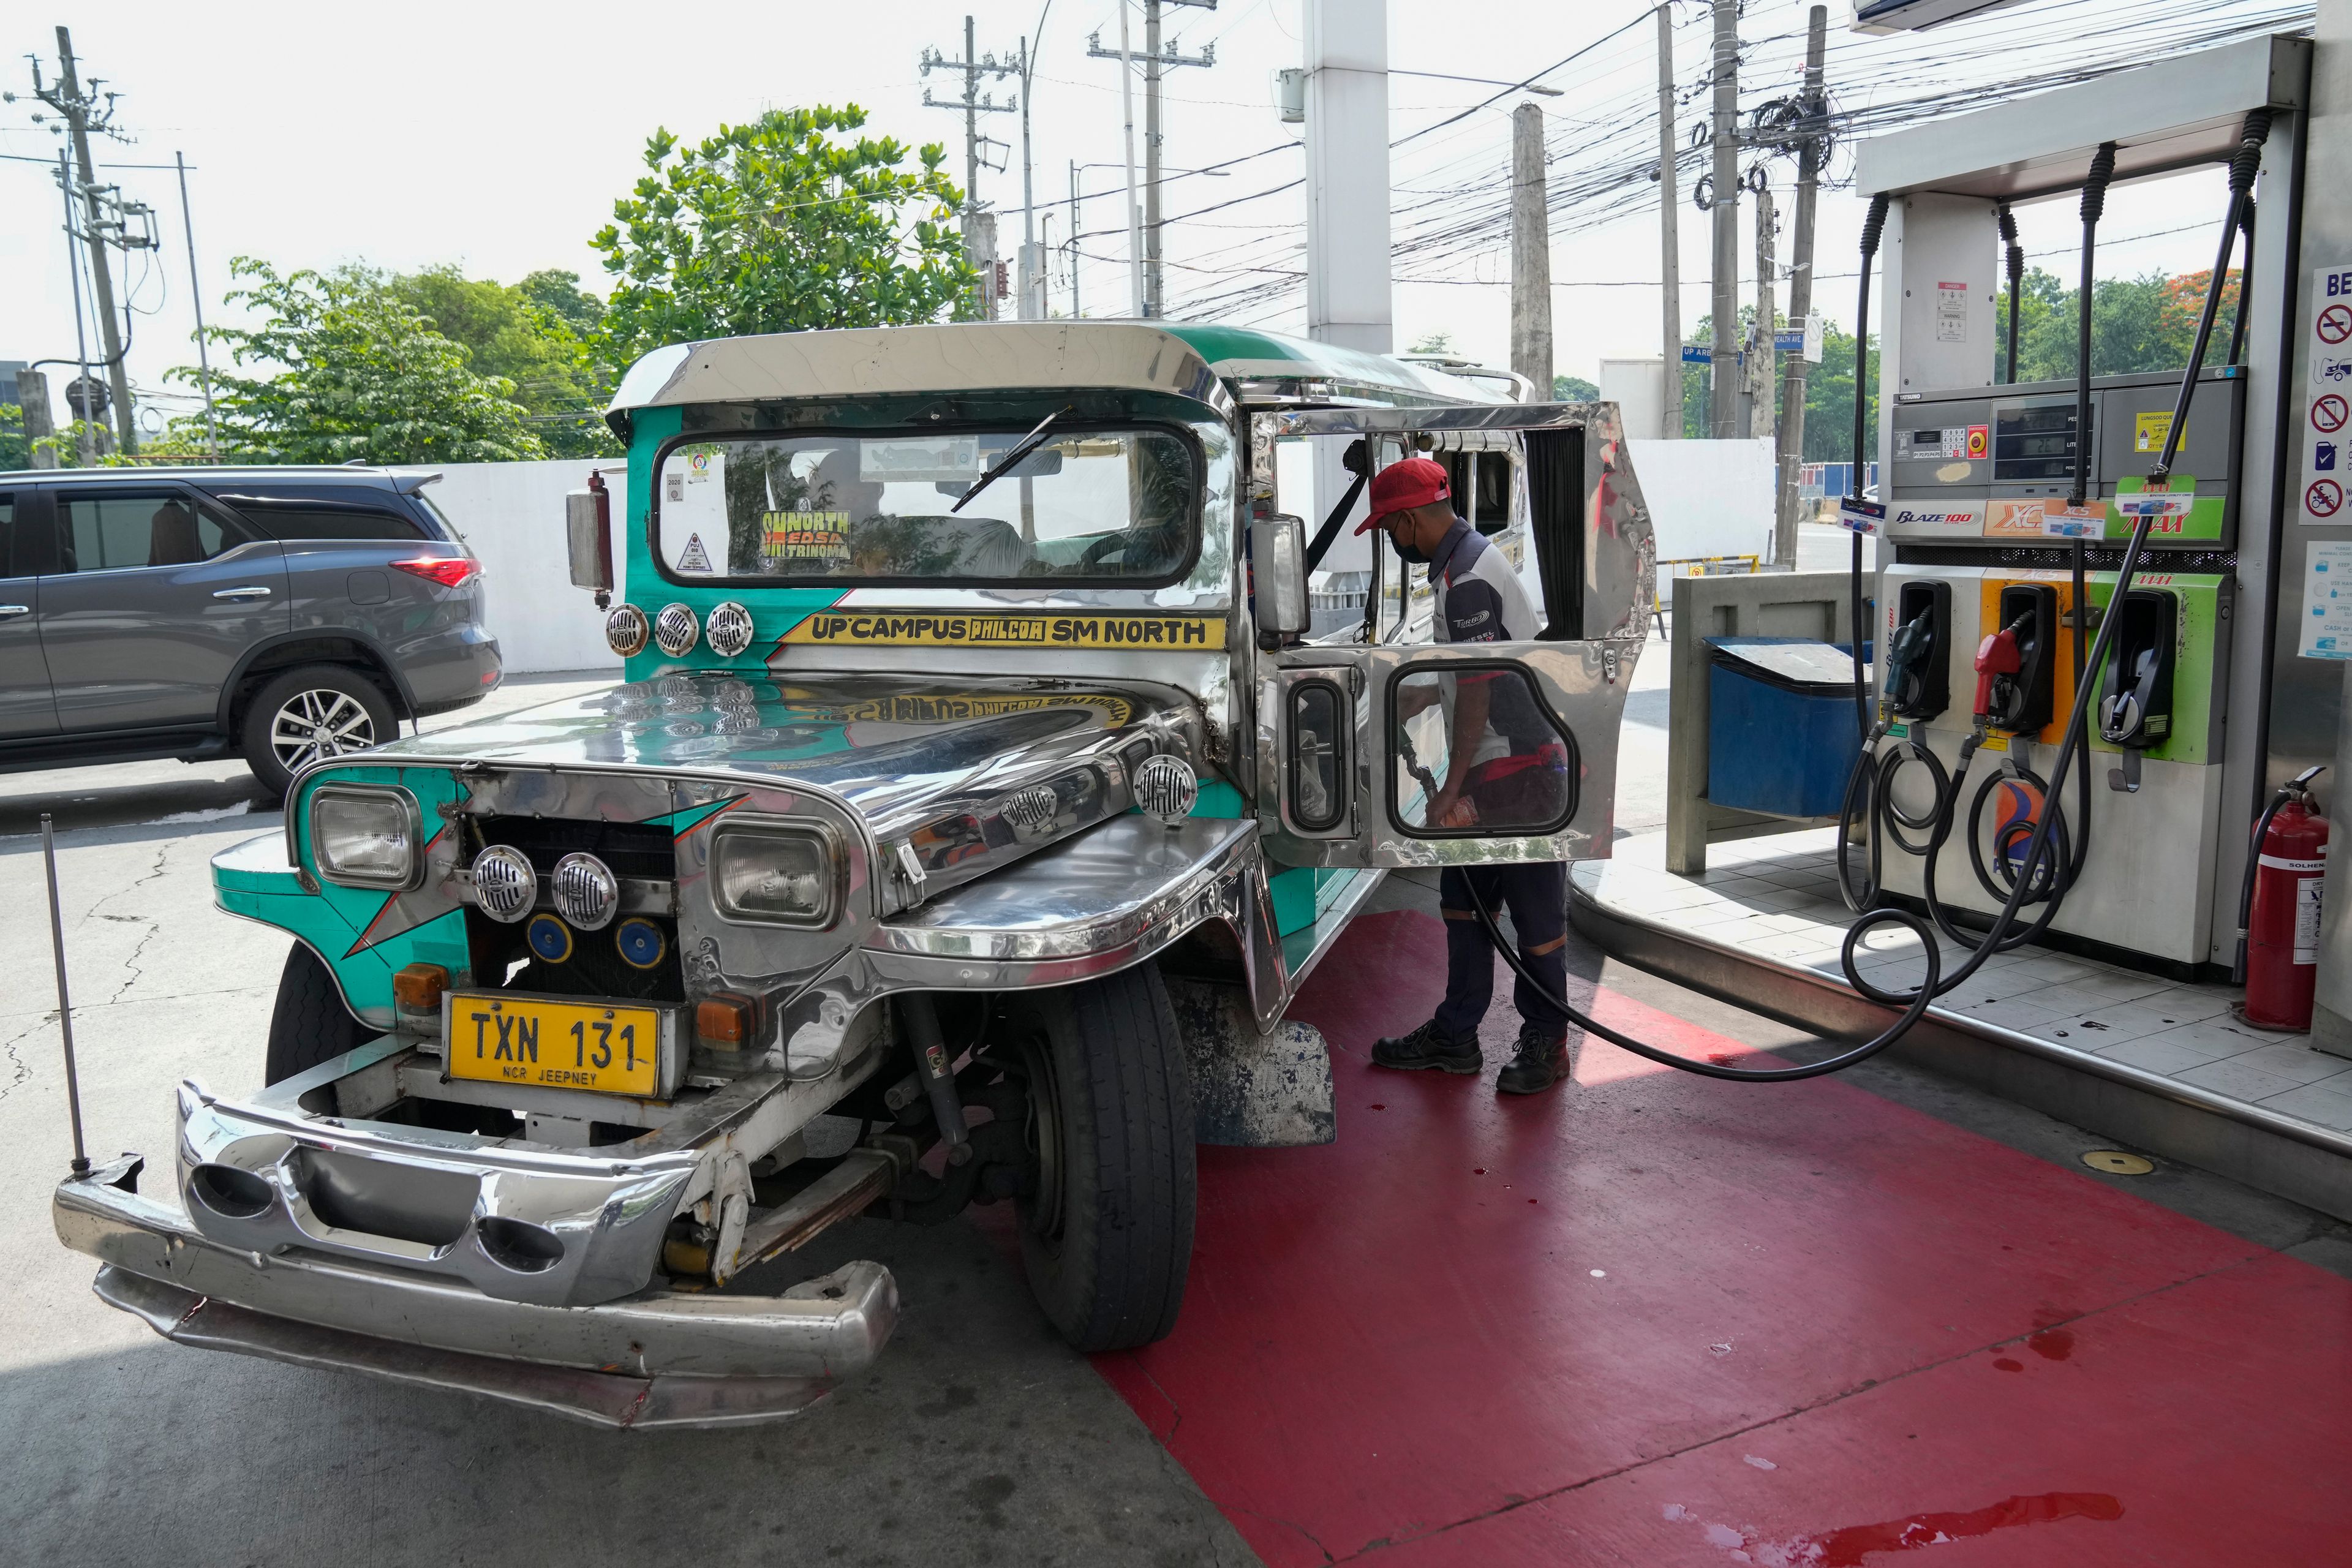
[
  {"x": 693, "y": 503},
  {"x": 934, "y": 459},
  {"x": 694, "y": 557},
  {"x": 804, "y": 535},
  {"x": 1182, "y": 633}
]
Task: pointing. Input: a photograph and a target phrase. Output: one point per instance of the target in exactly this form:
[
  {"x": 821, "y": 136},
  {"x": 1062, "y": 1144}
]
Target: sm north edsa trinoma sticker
[{"x": 884, "y": 629}]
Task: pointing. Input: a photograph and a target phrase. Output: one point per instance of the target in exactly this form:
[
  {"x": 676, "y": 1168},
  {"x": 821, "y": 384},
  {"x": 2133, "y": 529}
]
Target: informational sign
[
  {"x": 2032, "y": 518},
  {"x": 1951, "y": 312},
  {"x": 2328, "y": 601},
  {"x": 2173, "y": 498},
  {"x": 1861, "y": 516},
  {"x": 1813, "y": 338},
  {"x": 2327, "y": 403},
  {"x": 2075, "y": 522},
  {"x": 2151, "y": 427},
  {"x": 693, "y": 507}
]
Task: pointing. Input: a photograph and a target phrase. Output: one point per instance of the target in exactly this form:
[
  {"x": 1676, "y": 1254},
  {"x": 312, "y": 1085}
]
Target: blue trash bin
[{"x": 1781, "y": 735}]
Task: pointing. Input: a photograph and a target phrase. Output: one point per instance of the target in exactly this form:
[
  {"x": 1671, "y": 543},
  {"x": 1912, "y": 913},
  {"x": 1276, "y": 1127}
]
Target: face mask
[{"x": 1411, "y": 554}]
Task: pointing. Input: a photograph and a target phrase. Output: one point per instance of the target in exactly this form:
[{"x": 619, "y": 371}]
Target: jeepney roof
[{"x": 1188, "y": 361}]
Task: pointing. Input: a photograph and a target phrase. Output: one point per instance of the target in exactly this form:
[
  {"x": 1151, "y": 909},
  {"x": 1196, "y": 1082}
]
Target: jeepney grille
[{"x": 630, "y": 849}]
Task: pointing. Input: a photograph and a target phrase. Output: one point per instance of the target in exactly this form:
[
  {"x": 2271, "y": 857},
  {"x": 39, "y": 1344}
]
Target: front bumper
[{"x": 657, "y": 1359}]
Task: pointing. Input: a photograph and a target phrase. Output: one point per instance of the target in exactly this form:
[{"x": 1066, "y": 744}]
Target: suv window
[
  {"x": 7, "y": 533},
  {"x": 105, "y": 530},
  {"x": 315, "y": 511}
]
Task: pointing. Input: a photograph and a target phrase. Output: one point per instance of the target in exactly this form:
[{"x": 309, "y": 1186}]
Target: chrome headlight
[
  {"x": 366, "y": 835},
  {"x": 774, "y": 875}
]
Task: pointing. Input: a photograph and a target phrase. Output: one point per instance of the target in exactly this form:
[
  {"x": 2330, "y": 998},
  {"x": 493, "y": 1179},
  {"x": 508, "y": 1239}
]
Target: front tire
[
  {"x": 1107, "y": 1231},
  {"x": 311, "y": 711},
  {"x": 309, "y": 1024}
]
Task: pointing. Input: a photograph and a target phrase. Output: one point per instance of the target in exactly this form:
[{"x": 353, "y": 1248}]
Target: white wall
[
  {"x": 1638, "y": 388},
  {"x": 511, "y": 516},
  {"x": 1708, "y": 497}
]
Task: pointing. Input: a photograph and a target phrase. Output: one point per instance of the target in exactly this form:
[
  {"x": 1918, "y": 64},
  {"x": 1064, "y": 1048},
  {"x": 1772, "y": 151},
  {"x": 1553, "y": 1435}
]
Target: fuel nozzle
[
  {"x": 1998, "y": 657},
  {"x": 1907, "y": 653}
]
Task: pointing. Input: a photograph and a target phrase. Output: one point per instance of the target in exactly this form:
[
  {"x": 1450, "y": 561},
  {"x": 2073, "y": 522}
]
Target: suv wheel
[{"x": 315, "y": 710}]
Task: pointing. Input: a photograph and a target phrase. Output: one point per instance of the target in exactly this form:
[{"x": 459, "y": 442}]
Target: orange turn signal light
[
  {"x": 723, "y": 1021},
  {"x": 417, "y": 988}
]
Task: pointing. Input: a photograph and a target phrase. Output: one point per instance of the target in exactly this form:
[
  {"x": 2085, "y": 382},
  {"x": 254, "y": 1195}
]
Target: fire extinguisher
[{"x": 2278, "y": 908}]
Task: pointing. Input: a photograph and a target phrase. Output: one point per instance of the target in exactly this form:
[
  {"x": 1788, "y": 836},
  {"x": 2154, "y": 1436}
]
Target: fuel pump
[{"x": 2040, "y": 853}]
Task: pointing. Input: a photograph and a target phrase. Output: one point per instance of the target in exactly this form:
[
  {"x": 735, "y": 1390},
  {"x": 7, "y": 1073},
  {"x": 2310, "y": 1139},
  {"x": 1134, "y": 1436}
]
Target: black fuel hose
[{"x": 2243, "y": 167}]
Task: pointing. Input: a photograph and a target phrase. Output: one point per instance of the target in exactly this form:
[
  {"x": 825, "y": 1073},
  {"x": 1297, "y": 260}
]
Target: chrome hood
[{"x": 962, "y": 775}]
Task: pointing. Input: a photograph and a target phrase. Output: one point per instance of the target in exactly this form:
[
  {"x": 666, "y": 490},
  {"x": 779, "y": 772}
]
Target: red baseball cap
[{"x": 1401, "y": 487}]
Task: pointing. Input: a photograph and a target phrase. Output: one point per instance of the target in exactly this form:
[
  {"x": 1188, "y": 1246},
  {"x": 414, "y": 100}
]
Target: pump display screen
[{"x": 2033, "y": 443}]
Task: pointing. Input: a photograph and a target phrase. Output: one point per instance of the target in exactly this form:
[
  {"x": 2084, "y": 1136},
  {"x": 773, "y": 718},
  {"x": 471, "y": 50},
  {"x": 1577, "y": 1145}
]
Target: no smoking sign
[{"x": 2335, "y": 324}]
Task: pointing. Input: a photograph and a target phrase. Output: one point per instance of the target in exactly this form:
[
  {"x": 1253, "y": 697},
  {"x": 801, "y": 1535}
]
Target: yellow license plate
[{"x": 593, "y": 1045}]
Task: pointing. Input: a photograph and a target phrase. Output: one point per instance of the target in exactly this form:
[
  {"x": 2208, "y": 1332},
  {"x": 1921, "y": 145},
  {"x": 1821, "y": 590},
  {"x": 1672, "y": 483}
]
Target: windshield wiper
[{"x": 1012, "y": 455}]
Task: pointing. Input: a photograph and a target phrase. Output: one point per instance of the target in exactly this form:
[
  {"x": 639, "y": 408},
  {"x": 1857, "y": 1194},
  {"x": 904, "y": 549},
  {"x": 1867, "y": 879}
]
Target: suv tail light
[{"x": 449, "y": 571}]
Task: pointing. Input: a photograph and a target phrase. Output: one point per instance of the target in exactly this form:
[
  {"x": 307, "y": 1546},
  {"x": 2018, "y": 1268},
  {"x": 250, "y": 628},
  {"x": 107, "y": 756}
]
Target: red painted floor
[{"x": 1668, "y": 1321}]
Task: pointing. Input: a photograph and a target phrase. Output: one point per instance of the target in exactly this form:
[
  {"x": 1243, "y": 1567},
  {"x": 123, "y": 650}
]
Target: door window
[
  {"x": 110, "y": 531},
  {"x": 7, "y": 533},
  {"x": 1478, "y": 753}
]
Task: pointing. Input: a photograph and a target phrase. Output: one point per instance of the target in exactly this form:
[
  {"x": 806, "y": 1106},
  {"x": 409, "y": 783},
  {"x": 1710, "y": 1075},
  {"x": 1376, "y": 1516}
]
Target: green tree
[
  {"x": 775, "y": 227},
  {"x": 343, "y": 367},
  {"x": 507, "y": 333},
  {"x": 16, "y": 451},
  {"x": 1439, "y": 342},
  {"x": 1573, "y": 389},
  {"x": 1829, "y": 392},
  {"x": 2143, "y": 323}
]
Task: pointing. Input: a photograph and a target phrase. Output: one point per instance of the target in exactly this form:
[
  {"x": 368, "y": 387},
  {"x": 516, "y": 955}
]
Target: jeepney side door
[{"x": 1355, "y": 740}]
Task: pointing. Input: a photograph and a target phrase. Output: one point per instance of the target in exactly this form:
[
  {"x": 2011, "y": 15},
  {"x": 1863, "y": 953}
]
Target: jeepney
[{"x": 983, "y": 784}]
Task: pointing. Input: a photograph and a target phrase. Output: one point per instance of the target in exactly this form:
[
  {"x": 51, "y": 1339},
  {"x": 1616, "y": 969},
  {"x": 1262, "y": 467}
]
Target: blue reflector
[
  {"x": 641, "y": 942},
  {"x": 549, "y": 938}
]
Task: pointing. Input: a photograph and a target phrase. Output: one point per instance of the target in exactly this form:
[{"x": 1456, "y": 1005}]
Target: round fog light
[
  {"x": 675, "y": 630},
  {"x": 586, "y": 891},
  {"x": 728, "y": 628},
  {"x": 641, "y": 942},
  {"x": 504, "y": 884},
  {"x": 626, "y": 629},
  {"x": 1166, "y": 788}
]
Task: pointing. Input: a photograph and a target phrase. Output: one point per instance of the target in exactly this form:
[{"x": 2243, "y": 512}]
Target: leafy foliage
[
  {"x": 775, "y": 227},
  {"x": 2149, "y": 323},
  {"x": 345, "y": 367},
  {"x": 531, "y": 336},
  {"x": 16, "y": 451},
  {"x": 1573, "y": 389}
]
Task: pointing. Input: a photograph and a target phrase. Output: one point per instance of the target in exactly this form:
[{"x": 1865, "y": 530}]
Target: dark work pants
[{"x": 1536, "y": 896}]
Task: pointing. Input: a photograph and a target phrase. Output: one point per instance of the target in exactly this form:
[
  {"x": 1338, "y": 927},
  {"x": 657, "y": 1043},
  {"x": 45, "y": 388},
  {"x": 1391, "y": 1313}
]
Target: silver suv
[{"x": 280, "y": 614}]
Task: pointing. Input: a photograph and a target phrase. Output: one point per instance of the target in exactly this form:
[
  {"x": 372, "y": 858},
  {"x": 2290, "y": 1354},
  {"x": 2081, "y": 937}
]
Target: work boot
[
  {"x": 1429, "y": 1046},
  {"x": 1541, "y": 1061}
]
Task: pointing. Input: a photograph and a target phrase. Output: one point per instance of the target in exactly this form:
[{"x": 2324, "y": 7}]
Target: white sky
[{"x": 497, "y": 137}]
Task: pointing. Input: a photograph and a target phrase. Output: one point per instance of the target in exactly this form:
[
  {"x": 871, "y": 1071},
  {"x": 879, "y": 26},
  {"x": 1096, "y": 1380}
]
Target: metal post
[
  {"x": 83, "y": 421},
  {"x": 65, "y": 1005},
  {"x": 196, "y": 295},
  {"x": 33, "y": 404},
  {"x": 1760, "y": 357},
  {"x": 1154, "y": 298},
  {"x": 1134, "y": 216},
  {"x": 1530, "y": 252},
  {"x": 1723, "y": 368},
  {"x": 1075, "y": 313},
  {"x": 1031, "y": 306},
  {"x": 1800, "y": 291},
  {"x": 1670, "y": 257},
  {"x": 101, "y": 281}
]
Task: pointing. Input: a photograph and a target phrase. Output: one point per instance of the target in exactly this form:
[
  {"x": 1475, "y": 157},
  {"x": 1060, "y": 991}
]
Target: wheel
[
  {"x": 1106, "y": 1229},
  {"x": 314, "y": 710},
  {"x": 309, "y": 1024}
]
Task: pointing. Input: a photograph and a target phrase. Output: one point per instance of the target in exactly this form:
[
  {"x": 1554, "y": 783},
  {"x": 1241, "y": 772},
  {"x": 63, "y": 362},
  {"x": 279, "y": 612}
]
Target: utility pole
[
  {"x": 1724, "y": 184},
  {"x": 1530, "y": 252},
  {"x": 1075, "y": 313},
  {"x": 1801, "y": 290},
  {"x": 1670, "y": 248},
  {"x": 1156, "y": 58},
  {"x": 1761, "y": 335},
  {"x": 81, "y": 386},
  {"x": 979, "y": 238},
  {"x": 84, "y": 112},
  {"x": 196, "y": 298}
]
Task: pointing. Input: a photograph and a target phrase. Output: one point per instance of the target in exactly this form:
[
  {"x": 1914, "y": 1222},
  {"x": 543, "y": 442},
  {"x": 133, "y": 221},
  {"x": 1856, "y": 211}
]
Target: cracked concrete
[{"x": 978, "y": 1437}]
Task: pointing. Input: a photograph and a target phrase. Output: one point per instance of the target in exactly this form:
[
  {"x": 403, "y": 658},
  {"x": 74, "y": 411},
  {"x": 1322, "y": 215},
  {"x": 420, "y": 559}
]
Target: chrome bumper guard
[{"x": 658, "y": 1359}]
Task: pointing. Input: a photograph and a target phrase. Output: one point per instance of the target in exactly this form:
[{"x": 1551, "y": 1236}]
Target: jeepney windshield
[{"x": 1107, "y": 505}]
